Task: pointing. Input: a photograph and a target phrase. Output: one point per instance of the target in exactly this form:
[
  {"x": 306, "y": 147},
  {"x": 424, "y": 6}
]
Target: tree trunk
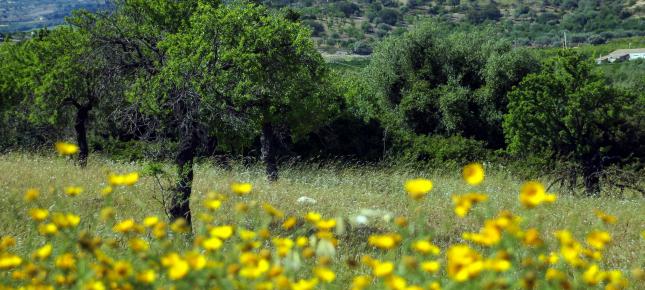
[
  {"x": 268, "y": 140},
  {"x": 591, "y": 174},
  {"x": 180, "y": 200},
  {"x": 82, "y": 116}
]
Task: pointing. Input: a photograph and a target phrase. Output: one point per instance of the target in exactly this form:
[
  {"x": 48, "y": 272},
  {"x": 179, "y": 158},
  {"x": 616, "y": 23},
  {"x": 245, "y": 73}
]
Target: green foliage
[
  {"x": 247, "y": 65},
  {"x": 430, "y": 81},
  {"x": 567, "y": 111},
  {"x": 452, "y": 150}
]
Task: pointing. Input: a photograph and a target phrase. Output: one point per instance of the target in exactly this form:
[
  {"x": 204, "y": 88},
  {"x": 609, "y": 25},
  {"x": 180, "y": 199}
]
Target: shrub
[
  {"x": 443, "y": 150},
  {"x": 389, "y": 16},
  {"x": 362, "y": 48},
  {"x": 568, "y": 112},
  {"x": 596, "y": 39},
  {"x": 317, "y": 28}
]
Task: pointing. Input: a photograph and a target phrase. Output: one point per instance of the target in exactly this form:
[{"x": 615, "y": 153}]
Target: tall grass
[{"x": 342, "y": 192}]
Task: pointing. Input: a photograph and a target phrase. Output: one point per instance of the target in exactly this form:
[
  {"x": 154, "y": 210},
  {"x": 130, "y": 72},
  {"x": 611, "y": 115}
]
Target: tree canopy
[
  {"x": 430, "y": 81},
  {"x": 567, "y": 111}
]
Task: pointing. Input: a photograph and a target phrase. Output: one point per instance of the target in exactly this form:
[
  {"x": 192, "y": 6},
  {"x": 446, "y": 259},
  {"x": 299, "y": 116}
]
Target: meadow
[{"x": 370, "y": 219}]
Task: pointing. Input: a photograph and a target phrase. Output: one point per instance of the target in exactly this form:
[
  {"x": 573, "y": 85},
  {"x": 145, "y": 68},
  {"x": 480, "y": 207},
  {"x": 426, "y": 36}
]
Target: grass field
[{"x": 343, "y": 193}]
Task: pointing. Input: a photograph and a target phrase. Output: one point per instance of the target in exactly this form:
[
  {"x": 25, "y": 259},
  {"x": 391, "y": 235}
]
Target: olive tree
[
  {"x": 236, "y": 71},
  {"x": 65, "y": 81},
  {"x": 568, "y": 111},
  {"x": 431, "y": 81}
]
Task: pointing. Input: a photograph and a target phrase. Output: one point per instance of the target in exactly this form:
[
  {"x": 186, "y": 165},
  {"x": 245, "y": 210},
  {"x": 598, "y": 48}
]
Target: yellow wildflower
[
  {"x": 178, "y": 270},
  {"x": 253, "y": 265},
  {"x": 598, "y": 239},
  {"x": 66, "y": 220},
  {"x": 241, "y": 188},
  {"x": 9, "y": 261},
  {"x": 150, "y": 221},
  {"x": 38, "y": 214},
  {"x": 94, "y": 285},
  {"x": 272, "y": 211},
  {"x": 212, "y": 204},
  {"x": 106, "y": 191},
  {"x": 553, "y": 274},
  {"x": 7, "y": 242},
  {"x": 592, "y": 276},
  {"x": 246, "y": 235},
  {"x": 489, "y": 235},
  {"x": 73, "y": 190},
  {"x": 473, "y": 173},
  {"x": 305, "y": 284},
  {"x": 313, "y": 217},
  {"x": 386, "y": 241},
  {"x": 121, "y": 270},
  {"x": 196, "y": 260},
  {"x": 43, "y": 252},
  {"x": 64, "y": 148},
  {"x": 283, "y": 246},
  {"x": 139, "y": 245},
  {"x": 434, "y": 286},
  {"x": 418, "y": 188},
  {"x": 500, "y": 263},
  {"x": 147, "y": 276},
  {"x": 128, "y": 179},
  {"x": 212, "y": 244},
  {"x": 395, "y": 282},
  {"x": 533, "y": 194},
  {"x": 125, "y": 226},
  {"x": 325, "y": 274},
  {"x": 425, "y": 247},
  {"x": 382, "y": 269},
  {"x": 430, "y": 266},
  {"x": 605, "y": 218},
  {"x": 325, "y": 225},
  {"x": 66, "y": 261},
  {"x": 360, "y": 282},
  {"x": 31, "y": 194},
  {"x": 222, "y": 232},
  {"x": 47, "y": 229},
  {"x": 464, "y": 202},
  {"x": 532, "y": 238},
  {"x": 463, "y": 262},
  {"x": 302, "y": 241},
  {"x": 289, "y": 223},
  {"x": 180, "y": 225}
]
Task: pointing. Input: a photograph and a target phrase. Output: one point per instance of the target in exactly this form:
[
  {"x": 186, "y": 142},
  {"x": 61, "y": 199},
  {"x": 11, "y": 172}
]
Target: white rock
[
  {"x": 306, "y": 200},
  {"x": 361, "y": 220}
]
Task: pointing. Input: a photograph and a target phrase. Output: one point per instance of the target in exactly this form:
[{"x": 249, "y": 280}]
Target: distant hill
[
  {"x": 355, "y": 25},
  {"x": 23, "y": 15}
]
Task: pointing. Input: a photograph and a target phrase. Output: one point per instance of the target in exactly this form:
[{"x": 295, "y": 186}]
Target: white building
[{"x": 622, "y": 55}]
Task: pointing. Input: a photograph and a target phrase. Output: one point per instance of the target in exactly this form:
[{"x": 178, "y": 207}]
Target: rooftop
[{"x": 627, "y": 51}]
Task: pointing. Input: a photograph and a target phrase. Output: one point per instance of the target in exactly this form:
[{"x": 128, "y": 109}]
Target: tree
[
  {"x": 131, "y": 38},
  {"x": 429, "y": 81},
  {"x": 66, "y": 81},
  {"x": 567, "y": 111},
  {"x": 235, "y": 72}
]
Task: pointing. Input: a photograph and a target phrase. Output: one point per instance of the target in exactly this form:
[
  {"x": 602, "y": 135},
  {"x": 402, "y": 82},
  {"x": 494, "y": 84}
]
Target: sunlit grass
[{"x": 341, "y": 192}]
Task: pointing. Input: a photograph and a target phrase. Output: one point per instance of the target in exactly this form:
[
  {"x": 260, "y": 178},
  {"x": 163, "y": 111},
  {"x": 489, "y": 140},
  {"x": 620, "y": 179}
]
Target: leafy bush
[
  {"x": 443, "y": 150},
  {"x": 568, "y": 112},
  {"x": 317, "y": 28},
  {"x": 430, "y": 81},
  {"x": 362, "y": 48},
  {"x": 389, "y": 16}
]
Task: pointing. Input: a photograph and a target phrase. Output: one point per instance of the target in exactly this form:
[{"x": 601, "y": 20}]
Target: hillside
[
  {"x": 354, "y": 26},
  {"x": 22, "y": 15}
]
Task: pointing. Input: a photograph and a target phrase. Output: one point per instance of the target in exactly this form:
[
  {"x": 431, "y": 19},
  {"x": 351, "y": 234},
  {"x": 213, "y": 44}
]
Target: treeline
[
  {"x": 192, "y": 79},
  {"x": 357, "y": 25}
]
